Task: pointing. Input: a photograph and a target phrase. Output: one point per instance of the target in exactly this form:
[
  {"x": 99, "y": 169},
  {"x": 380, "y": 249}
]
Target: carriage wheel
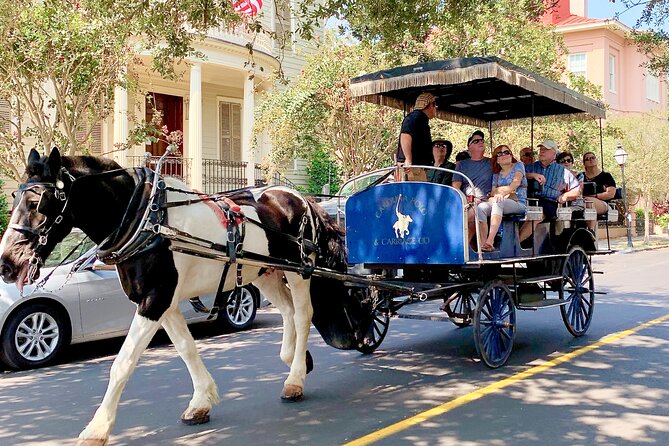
[
  {"x": 494, "y": 324},
  {"x": 379, "y": 326},
  {"x": 578, "y": 288},
  {"x": 460, "y": 308}
]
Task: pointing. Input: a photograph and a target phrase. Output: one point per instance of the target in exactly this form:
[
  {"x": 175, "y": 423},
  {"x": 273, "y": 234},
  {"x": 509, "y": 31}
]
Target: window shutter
[
  {"x": 5, "y": 116},
  {"x": 231, "y": 131}
]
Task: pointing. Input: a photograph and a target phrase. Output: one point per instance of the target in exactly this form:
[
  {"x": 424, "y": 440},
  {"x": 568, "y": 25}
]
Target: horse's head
[{"x": 39, "y": 218}]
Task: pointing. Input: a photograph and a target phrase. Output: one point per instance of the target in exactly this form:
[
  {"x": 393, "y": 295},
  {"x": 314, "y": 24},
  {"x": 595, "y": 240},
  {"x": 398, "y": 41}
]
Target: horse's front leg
[
  {"x": 271, "y": 285},
  {"x": 293, "y": 387},
  {"x": 140, "y": 334},
  {"x": 205, "y": 393}
]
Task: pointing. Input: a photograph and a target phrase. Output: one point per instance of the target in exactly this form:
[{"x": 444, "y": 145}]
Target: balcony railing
[
  {"x": 242, "y": 37},
  {"x": 217, "y": 175}
]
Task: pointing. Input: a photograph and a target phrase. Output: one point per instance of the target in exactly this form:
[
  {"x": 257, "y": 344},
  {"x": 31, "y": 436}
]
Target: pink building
[{"x": 600, "y": 50}]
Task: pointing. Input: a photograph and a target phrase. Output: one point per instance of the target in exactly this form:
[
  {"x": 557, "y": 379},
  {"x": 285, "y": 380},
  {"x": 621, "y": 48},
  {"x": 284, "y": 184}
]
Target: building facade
[
  {"x": 600, "y": 50},
  {"x": 212, "y": 103}
]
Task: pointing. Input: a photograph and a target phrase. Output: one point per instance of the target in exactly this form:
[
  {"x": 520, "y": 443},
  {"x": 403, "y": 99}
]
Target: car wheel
[
  {"x": 240, "y": 310},
  {"x": 33, "y": 336}
]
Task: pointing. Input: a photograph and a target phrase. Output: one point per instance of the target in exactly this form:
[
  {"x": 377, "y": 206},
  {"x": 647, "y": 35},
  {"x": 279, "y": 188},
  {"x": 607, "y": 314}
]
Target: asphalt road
[{"x": 614, "y": 392}]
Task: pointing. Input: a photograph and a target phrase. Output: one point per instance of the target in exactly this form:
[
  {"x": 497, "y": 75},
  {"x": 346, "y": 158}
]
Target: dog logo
[{"x": 401, "y": 226}]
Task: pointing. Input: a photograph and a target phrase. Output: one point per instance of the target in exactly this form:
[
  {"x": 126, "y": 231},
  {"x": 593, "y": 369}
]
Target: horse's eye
[{"x": 32, "y": 205}]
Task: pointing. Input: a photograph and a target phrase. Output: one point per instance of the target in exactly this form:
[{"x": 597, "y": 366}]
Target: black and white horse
[{"x": 99, "y": 197}]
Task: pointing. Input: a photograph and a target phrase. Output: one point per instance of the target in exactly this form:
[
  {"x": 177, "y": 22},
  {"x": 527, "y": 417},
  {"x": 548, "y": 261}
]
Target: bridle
[{"x": 41, "y": 231}]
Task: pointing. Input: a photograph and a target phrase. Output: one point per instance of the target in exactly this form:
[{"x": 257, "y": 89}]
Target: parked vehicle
[
  {"x": 335, "y": 206},
  {"x": 83, "y": 301}
]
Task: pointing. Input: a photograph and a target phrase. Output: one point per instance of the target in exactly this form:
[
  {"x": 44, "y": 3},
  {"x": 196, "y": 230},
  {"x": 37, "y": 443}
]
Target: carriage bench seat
[{"x": 611, "y": 216}]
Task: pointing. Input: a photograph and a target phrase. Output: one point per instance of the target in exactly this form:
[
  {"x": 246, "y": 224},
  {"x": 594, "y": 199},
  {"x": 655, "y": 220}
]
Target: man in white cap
[
  {"x": 557, "y": 185},
  {"x": 415, "y": 142}
]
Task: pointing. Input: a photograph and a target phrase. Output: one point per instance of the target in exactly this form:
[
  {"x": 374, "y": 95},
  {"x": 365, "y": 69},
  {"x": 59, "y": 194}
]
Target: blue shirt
[
  {"x": 521, "y": 191},
  {"x": 480, "y": 172},
  {"x": 558, "y": 179}
]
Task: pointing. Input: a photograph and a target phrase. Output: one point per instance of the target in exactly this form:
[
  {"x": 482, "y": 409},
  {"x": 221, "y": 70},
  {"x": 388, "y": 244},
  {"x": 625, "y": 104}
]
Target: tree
[
  {"x": 317, "y": 110},
  {"x": 650, "y": 32},
  {"x": 60, "y": 61},
  {"x": 646, "y": 139}
]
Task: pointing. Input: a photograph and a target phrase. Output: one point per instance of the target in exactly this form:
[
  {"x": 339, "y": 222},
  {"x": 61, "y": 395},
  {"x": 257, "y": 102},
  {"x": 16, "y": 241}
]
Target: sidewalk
[{"x": 620, "y": 243}]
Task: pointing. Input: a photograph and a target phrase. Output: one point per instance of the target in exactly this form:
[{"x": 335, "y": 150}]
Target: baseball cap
[
  {"x": 423, "y": 100},
  {"x": 549, "y": 144},
  {"x": 478, "y": 133}
]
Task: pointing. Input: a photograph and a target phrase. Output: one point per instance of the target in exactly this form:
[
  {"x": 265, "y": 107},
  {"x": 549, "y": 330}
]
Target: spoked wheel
[
  {"x": 578, "y": 289},
  {"x": 380, "y": 323},
  {"x": 494, "y": 324},
  {"x": 460, "y": 308}
]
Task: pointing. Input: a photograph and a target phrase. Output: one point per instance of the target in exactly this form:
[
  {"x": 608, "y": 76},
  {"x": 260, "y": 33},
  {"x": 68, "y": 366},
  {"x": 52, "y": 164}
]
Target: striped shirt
[{"x": 558, "y": 179}]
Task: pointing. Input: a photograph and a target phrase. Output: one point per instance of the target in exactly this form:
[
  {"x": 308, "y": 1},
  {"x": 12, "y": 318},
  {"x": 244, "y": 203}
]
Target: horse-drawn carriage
[
  {"x": 406, "y": 242},
  {"x": 415, "y": 234}
]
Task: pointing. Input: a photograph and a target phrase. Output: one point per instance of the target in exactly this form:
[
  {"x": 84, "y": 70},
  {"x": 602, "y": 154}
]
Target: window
[
  {"x": 612, "y": 73},
  {"x": 230, "y": 125},
  {"x": 282, "y": 23},
  {"x": 652, "y": 87},
  {"x": 577, "y": 64}
]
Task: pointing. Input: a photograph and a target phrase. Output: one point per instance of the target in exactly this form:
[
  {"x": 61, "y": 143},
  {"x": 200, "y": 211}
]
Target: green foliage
[
  {"x": 322, "y": 169},
  {"x": 663, "y": 221}
]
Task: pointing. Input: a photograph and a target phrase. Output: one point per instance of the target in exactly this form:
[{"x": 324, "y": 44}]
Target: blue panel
[{"x": 407, "y": 223}]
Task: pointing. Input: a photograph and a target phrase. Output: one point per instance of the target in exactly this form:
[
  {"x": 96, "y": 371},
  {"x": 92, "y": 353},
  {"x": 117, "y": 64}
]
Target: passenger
[
  {"x": 415, "y": 142},
  {"x": 557, "y": 184},
  {"x": 526, "y": 155},
  {"x": 441, "y": 152},
  {"x": 508, "y": 195},
  {"x": 477, "y": 168},
  {"x": 464, "y": 155},
  {"x": 566, "y": 159},
  {"x": 605, "y": 188}
]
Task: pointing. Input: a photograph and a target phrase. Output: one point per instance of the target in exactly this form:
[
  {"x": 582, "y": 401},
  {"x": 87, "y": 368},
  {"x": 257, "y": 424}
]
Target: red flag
[{"x": 247, "y": 7}]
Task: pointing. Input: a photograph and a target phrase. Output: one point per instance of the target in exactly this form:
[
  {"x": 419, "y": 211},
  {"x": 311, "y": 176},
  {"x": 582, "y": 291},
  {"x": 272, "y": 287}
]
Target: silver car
[{"x": 83, "y": 301}]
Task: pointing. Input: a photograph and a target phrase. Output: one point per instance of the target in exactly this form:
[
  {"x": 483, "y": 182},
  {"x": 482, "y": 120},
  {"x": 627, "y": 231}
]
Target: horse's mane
[
  {"x": 330, "y": 239},
  {"x": 88, "y": 165}
]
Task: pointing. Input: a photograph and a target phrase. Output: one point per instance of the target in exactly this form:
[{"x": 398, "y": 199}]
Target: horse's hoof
[
  {"x": 195, "y": 416},
  {"x": 310, "y": 362},
  {"x": 91, "y": 442},
  {"x": 291, "y": 393}
]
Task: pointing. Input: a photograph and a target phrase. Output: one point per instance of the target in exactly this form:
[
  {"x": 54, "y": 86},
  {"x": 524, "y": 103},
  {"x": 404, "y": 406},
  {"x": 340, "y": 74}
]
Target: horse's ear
[
  {"x": 33, "y": 156},
  {"x": 54, "y": 161}
]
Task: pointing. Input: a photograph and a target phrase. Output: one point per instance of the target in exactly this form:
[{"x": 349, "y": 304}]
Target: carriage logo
[{"x": 401, "y": 226}]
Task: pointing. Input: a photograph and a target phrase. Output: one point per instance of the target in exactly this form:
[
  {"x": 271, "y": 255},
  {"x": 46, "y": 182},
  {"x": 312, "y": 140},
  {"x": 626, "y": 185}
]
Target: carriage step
[
  {"x": 442, "y": 316},
  {"x": 540, "y": 279},
  {"x": 426, "y": 311},
  {"x": 545, "y": 303}
]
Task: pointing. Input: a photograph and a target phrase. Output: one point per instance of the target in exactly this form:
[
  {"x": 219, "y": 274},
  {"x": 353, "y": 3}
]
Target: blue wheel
[
  {"x": 578, "y": 289},
  {"x": 494, "y": 324}
]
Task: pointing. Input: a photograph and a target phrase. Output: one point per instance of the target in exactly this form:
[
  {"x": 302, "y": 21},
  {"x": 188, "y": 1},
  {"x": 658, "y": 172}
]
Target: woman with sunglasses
[
  {"x": 605, "y": 185},
  {"x": 508, "y": 195}
]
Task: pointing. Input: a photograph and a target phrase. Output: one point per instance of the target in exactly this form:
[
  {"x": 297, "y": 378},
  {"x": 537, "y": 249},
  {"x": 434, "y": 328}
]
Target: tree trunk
[{"x": 646, "y": 218}]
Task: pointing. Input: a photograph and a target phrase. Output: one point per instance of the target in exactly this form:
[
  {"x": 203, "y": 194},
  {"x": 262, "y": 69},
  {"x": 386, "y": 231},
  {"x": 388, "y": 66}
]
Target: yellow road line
[{"x": 494, "y": 387}]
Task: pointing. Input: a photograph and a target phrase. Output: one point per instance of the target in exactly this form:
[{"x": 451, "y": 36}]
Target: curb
[{"x": 646, "y": 248}]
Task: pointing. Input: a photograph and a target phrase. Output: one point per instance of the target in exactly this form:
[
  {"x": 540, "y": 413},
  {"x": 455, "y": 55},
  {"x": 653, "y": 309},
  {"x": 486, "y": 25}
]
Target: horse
[{"x": 104, "y": 200}]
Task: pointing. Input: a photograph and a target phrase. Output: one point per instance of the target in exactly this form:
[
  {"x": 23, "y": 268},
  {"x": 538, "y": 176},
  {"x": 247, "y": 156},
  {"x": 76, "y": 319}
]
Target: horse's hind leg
[
  {"x": 205, "y": 393},
  {"x": 140, "y": 334}
]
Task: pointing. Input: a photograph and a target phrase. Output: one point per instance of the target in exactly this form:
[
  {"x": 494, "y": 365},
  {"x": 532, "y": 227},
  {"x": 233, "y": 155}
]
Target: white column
[
  {"x": 195, "y": 126},
  {"x": 120, "y": 124},
  {"x": 248, "y": 108}
]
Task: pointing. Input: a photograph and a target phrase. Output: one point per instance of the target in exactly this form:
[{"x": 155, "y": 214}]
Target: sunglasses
[
  {"x": 527, "y": 154},
  {"x": 476, "y": 141},
  {"x": 503, "y": 153},
  {"x": 589, "y": 158},
  {"x": 441, "y": 146},
  {"x": 566, "y": 160}
]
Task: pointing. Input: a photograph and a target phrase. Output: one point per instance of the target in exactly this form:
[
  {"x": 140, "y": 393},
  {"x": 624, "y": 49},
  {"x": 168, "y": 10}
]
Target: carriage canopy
[{"x": 474, "y": 90}]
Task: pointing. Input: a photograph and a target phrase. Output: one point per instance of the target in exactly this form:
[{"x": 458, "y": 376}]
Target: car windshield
[
  {"x": 63, "y": 248},
  {"x": 359, "y": 184}
]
